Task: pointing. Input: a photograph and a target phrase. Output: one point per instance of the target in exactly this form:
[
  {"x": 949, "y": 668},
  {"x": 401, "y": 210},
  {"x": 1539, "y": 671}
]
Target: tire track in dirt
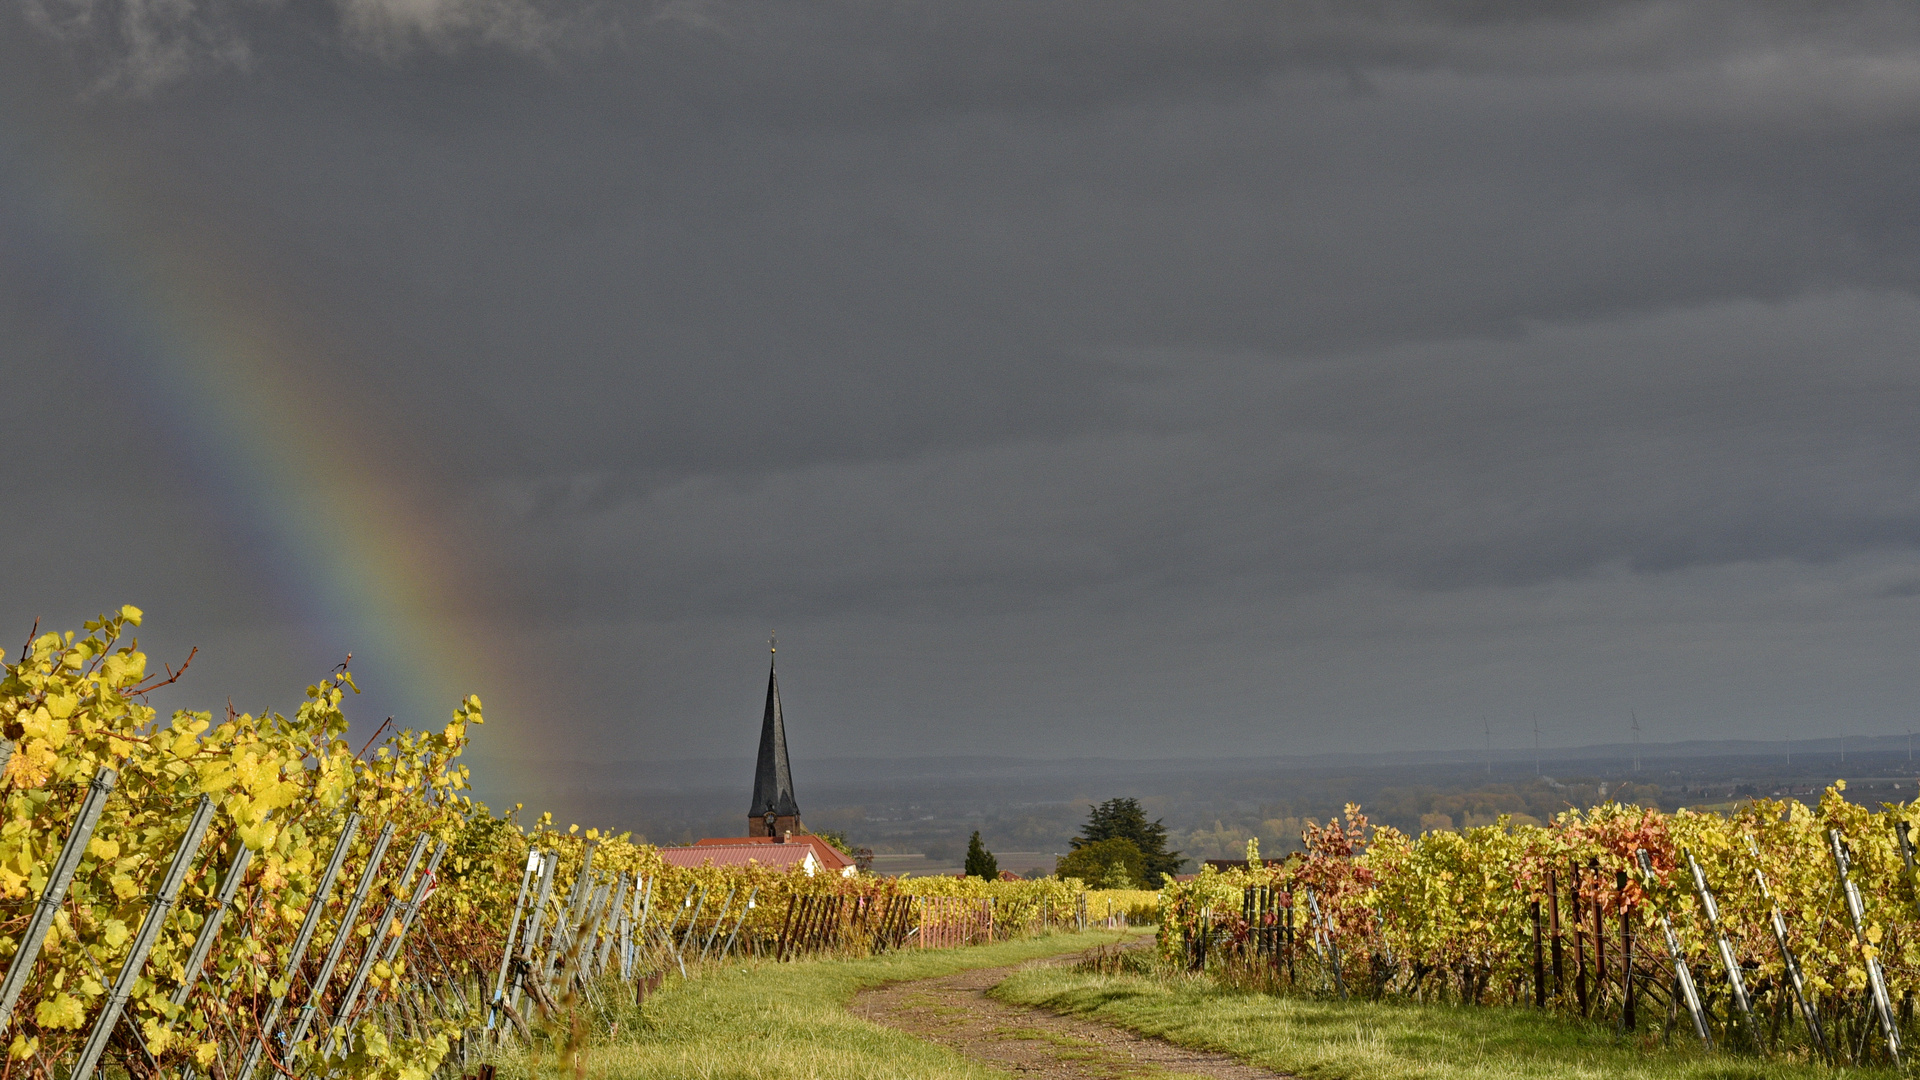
[{"x": 955, "y": 1011}]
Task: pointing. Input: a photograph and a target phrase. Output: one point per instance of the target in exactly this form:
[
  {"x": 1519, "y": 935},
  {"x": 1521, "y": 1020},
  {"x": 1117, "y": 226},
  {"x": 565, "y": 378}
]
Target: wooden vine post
[
  {"x": 1579, "y": 936},
  {"x": 1626, "y": 952},
  {"x": 1599, "y": 937},
  {"x": 1539, "y": 961},
  {"x": 1553, "y": 926}
]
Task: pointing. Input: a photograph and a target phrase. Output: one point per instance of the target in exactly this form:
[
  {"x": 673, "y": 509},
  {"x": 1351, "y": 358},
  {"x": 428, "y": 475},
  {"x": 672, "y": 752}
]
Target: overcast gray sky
[{"x": 1132, "y": 379}]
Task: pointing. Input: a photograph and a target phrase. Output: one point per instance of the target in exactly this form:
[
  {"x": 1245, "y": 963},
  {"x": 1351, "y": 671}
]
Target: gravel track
[{"x": 955, "y": 1011}]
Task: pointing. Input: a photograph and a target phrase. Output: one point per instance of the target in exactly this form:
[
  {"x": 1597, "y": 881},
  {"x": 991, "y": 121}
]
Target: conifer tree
[
  {"x": 980, "y": 861},
  {"x": 1124, "y": 819}
]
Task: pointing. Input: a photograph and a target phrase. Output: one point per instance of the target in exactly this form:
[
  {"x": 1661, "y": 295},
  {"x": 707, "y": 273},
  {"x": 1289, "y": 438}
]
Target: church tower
[{"x": 774, "y": 812}]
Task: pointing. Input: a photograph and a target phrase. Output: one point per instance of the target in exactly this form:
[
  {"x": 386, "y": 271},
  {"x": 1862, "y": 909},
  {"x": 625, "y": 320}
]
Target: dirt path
[{"x": 954, "y": 1010}]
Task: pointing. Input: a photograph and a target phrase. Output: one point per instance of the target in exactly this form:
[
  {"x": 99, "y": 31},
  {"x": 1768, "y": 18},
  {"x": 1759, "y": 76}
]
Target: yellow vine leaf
[
  {"x": 257, "y": 836},
  {"x": 31, "y": 766},
  {"x": 59, "y": 1011},
  {"x": 159, "y": 1038},
  {"x": 37, "y": 723}
]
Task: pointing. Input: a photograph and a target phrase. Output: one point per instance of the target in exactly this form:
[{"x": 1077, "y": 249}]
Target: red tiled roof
[
  {"x": 776, "y": 856},
  {"x": 829, "y": 856}
]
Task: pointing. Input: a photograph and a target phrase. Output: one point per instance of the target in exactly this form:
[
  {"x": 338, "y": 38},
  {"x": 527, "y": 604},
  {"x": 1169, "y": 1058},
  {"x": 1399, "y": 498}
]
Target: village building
[
  {"x": 806, "y": 851},
  {"x": 776, "y": 837}
]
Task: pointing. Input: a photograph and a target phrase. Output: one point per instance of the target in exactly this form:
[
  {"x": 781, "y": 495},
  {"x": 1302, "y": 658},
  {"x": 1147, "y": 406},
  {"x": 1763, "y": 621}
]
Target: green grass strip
[
  {"x": 1392, "y": 1040},
  {"x": 769, "y": 1021}
]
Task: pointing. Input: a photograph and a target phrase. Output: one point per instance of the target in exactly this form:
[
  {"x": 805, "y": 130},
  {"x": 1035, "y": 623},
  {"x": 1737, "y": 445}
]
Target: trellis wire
[
  {"x": 513, "y": 932},
  {"x": 1735, "y": 983},
  {"x": 1856, "y": 914},
  {"x": 56, "y": 891},
  {"x": 344, "y": 1012},
  {"x": 210, "y": 929},
  {"x": 301, "y": 941},
  {"x": 156, "y": 917},
  {"x": 348, "y": 920},
  {"x": 603, "y": 914}
]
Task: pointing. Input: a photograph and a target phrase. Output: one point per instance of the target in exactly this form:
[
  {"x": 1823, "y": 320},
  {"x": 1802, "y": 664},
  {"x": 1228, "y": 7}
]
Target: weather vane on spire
[{"x": 773, "y": 642}]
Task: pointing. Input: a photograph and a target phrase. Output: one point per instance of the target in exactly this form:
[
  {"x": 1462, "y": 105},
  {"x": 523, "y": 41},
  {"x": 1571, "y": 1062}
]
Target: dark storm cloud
[
  {"x": 1141, "y": 357},
  {"x": 912, "y": 56},
  {"x": 1739, "y": 432}
]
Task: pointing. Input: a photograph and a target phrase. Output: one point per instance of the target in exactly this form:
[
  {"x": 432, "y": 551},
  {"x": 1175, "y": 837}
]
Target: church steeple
[{"x": 774, "y": 812}]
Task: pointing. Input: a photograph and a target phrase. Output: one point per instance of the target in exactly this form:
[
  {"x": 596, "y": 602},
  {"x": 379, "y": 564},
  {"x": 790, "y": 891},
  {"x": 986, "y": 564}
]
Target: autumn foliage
[{"x": 1453, "y": 915}]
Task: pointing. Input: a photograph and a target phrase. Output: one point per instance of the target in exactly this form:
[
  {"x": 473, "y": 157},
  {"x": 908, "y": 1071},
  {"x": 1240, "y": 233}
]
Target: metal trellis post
[
  {"x": 638, "y": 934},
  {"x": 210, "y": 929},
  {"x": 719, "y": 921},
  {"x": 1681, "y": 973},
  {"x": 1791, "y": 962},
  {"x": 55, "y": 893},
  {"x": 300, "y": 943},
  {"x": 421, "y": 890},
  {"x": 693, "y": 922},
  {"x": 625, "y": 946},
  {"x": 343, "y": 1013},
  {"x": 581, "y": 939},
  {"x": 136, "y": 960},
  {"x": 576, "y": 902},
  {"x": 738, "y": 923},
  {"x": 536, "y": 918},
  {"x": 375, "y": 940},
  {"x": 617, "y": 907},
  {"x": 1734, "y": 979},
  {"x": 513, "y": 935},
  {"x": 342, "y": 935},
  {"x": 1856, "y": 912}
]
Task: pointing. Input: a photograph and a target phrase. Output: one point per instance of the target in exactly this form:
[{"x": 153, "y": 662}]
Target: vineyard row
[
  {"x": 253, "y": 896},
  {"x": 1780, "y": 929}
]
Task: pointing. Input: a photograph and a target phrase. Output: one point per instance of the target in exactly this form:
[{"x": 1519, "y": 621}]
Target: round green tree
[{"x": 1114, "y": 863}]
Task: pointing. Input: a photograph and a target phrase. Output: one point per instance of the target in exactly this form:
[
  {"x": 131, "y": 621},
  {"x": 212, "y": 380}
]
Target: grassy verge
[
  {"x": 776, "y": 1021},
  {"x": 1380, "y": 1041}
]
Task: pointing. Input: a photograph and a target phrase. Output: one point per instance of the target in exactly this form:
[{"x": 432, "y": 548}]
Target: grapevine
[
  {"x": 414, "y": 980},
  {"x": 1453, "y": 915}
]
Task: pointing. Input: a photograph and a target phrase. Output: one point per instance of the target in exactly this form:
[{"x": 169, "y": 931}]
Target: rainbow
[{"x": 322, "y": 501}]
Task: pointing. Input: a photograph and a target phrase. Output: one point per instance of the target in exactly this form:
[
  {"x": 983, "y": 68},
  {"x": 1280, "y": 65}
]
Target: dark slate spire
[{"x": 772, "y": 778}]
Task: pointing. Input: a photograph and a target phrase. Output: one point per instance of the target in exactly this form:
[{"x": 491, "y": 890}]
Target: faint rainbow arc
[{"x": 280, "y": 454}]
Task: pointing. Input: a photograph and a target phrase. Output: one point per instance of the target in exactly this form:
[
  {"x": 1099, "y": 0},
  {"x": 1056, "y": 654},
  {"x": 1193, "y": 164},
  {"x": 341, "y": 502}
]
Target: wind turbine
[{"x": 1636, "y": 739}]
